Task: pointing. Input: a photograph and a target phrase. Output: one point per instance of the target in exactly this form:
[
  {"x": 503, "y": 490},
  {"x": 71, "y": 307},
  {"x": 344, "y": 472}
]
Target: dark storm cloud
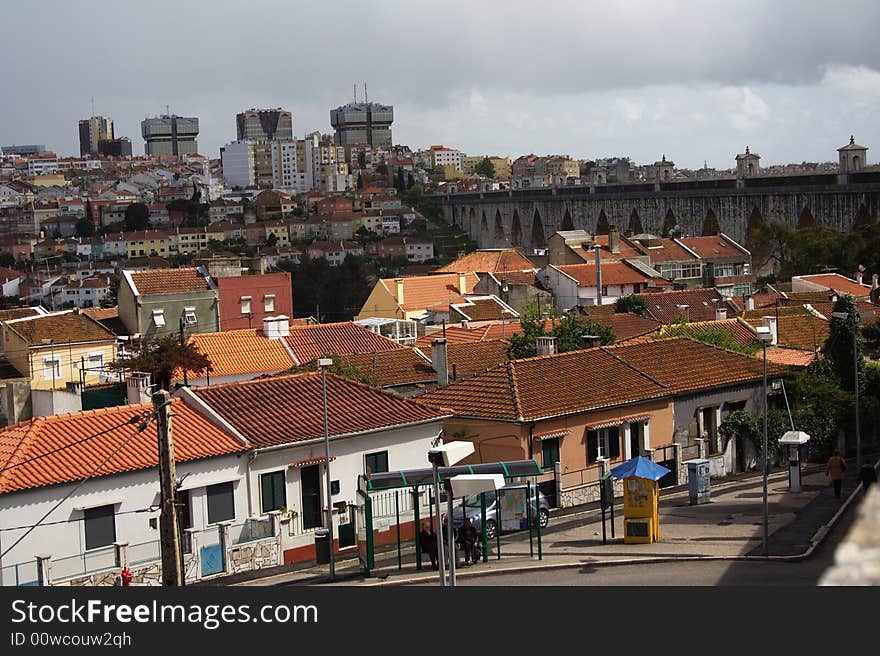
[{"x": 212, "y": 59}]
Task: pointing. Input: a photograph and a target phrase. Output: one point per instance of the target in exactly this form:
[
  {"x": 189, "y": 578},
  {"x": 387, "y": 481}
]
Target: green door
[{"x": 310, "y": 479}]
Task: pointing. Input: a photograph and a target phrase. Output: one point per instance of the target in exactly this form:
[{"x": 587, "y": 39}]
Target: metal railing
[
  {"x": 83, "y": 564},
  {"x": 144, "y": 552},
  {"x": 21, "y": 574},
  {"x": 250, "y": 530}
]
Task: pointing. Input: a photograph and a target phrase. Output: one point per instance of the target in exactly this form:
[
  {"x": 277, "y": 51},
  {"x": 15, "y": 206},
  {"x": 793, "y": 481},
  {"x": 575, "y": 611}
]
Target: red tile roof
[
  {"x": 712, "y": 247},
  {"x": 740, "y": 331},
  {"x": 169, "y": 281},
  {"x": 235, "y": 352},
  {"x": 613, "y": 273},
  {"x": 801, "y": 331},
  {"x": 344, "y": 338},
  {"x": 471, "y": 358},
  {"x": 194, "y": 437},
  {"x": 663, "y": 305},
  {"x": 285, "y": 409},
  {"x": 18, "y": 313},
  {"x": 667, "y": 251},
  {"x": 479, "y": 308},
  {"x": 403, "y": 366},
  {"x": 61, "y": 328},
  {"x": 686, "y": 365},
  {"x": 420, "y": 292},
  {"x": 838, "y": 283},
  {"x": 494, "y": 260},
  {"x": 789, "y": 357},
  {"x": 547, "y": 386},
  {"x": 624, "y": 325}
]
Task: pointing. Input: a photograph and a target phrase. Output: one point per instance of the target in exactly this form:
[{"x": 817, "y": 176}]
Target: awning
[
  {"x": 311, "y": 461},
  {"x": 640, "y": 467},
  {"x": 419, "y": 477},
  {"x": 617, "y": 421},
  {"x": 196, "y": 480},
  {"x": 551, "y": 434}
]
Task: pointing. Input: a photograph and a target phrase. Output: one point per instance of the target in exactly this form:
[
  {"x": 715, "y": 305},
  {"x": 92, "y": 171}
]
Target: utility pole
[
  {"x": 172, "y": 570},
  {"x": 182, "y": 344}
]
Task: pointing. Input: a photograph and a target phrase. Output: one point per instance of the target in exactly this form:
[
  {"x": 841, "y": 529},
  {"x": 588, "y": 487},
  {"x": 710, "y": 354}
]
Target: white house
[
  {"x": 111, "y": 519},
  {"x": 578, "y": 284},
  {"x": 370, "y": 431}
]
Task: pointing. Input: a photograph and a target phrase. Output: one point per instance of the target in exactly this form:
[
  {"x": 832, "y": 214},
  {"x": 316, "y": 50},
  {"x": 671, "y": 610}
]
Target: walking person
[
  {"x": 468, "y": 537},
  {"x": 428, "y": 542},
  {"x": 835, "y": 468}
]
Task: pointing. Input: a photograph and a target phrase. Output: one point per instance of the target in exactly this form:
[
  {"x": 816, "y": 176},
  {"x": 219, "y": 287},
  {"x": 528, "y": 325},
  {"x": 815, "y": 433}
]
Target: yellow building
[
  {"x": 58, "y": 348},
  {"x": 501, "y": 164},
  {"x": 144, "y": 243}
]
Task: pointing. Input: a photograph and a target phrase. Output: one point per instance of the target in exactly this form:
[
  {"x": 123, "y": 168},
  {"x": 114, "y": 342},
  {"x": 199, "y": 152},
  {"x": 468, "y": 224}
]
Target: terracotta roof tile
[
  {"x": 685, "y": 365},
  {"x": 801, "y": 331},
  {"x": 194, "y": 438},
  {"x": 100, "y": 314},
  {"x": 284, "y": 409},
  {"x": 344, "y": 338},
  {"x": 456, "y": 334},
  {"x": 169, "y": 281},
  {"x": 740, "y": 331},
  {"x": 547, "y": 386},
  {"x": 667, "y": 251},
  {"x": 18, "y": 313},
  {"x": 624, "y": 325},
  {"x": 470, "y": 358},
  {"x": 403, "y": 366},
  {"x": 663, "y": 305},
  {"x": 60, "y": 327},
  {"x": 247, "y": 351},
  {"x": 516, "y": 277},
  {"x": 790, "y": 357},
  {"x": 613, "y": 273},
  {"x": 838, "y": 283},
  {"x": 495, "y": 260},
  {"x": 420, "y": 292},
  {"x": 712, "y": 247},
  {"x": 483, "y": 308}
]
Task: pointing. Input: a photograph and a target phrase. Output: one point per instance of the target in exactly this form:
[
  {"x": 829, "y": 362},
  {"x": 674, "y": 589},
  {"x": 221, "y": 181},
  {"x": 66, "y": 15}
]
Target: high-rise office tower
[
  {"x": 170, "y": 135},
  {"x": 363, "y": 123},
  {"x": 92, "y": 131},
  {"x": 264, "y": 125}
]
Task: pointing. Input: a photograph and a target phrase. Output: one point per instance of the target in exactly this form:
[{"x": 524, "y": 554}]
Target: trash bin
[
  {"x": 322, "y": 546},
  {"x": 698, "y": 481}
]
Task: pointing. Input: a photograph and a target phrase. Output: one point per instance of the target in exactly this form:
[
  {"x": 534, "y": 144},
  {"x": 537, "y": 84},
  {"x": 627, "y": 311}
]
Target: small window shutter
[
  {"x": 592, "y": 446},
  {"x": 613, "y": 443}
]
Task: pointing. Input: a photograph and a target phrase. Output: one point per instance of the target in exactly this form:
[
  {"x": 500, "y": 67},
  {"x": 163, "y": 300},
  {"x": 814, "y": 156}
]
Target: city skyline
[{"x": 695, "y": 83}]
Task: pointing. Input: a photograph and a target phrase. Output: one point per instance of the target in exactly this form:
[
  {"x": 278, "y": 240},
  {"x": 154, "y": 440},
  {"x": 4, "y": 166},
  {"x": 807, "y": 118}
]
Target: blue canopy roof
[{"x": 641, "y": 467}]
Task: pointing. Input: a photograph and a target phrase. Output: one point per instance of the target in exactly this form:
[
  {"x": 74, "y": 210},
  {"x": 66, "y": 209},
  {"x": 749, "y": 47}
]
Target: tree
[
  {"x": 340, "y": 368},
  {"x": 485, "y": 167},
  {"x": 839, "y": 345},
  {"x": 568, "y": 331},
  {"x": 85, "y": 227},
  {"x": 360, "y": 182},
  {"x": 410, "y": 181},
  {"x": 633, "y": 304},
  {"x": 165, "y": 356},
  {"x": 137, "y": 217},
  {"x": 272, "y": 239},
  {"x": 399, "y": 183}
]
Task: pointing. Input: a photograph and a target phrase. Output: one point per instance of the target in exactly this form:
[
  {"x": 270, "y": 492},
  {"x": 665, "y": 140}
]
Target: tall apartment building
[
  {"x": 264, "y": 125},
  {"x": 237, "y": 161},
  {"x": 115, "y": 147},
  {"x": 92, "y": 131},
  {"x": 363, "y": 123},
  {"x": 323, "y": 157},
  {"x": 170, "y": 135},
  {"x": 286, "y": 175}
]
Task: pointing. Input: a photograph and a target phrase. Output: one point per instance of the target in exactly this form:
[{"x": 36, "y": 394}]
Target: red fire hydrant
[{"x": 126, "y": 576}]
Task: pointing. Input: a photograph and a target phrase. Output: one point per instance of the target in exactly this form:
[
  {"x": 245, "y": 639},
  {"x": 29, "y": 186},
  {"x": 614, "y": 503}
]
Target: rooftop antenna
[
  {"x": 93, "y": 105},
  {"x": 366, "y": 98},
  {"x": 167, "y": 110},
  {"x": 355, "y": 92}
]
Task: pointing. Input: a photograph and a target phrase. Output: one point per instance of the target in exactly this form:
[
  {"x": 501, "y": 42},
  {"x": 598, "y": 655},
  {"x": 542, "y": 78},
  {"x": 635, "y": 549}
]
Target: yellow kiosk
[{"x": 641, "y": 493}]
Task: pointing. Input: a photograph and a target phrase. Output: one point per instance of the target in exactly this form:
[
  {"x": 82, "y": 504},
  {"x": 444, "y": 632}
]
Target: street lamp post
[
  {"x": 861, "y": 316},
  {"x": 446, "y": 455},
  {"x": 765, "y": 335},
  {"x": 324, "y": 363}
]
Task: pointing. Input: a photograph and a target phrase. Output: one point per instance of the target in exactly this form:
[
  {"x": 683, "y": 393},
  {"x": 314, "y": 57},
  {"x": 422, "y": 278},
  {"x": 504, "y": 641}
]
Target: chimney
[
  {"x": 276, "y": 327},
  {"x": 720, "y": 314},
  {"x": 439, "y": 360},
  {"x": 399, "y": 283},
  {"x": 589, "y": 341},
  {"x": 598, "y": 274},
  {"x": 614, "y": 239},
  {"x": 750, "y": 302},
  {"x": 858, "y": 275},
  {"x": 462, "y": 283},
  {"x": 771, "y": 323},
  {"x": 464, "y": 323},
  {"x": 137, "y": 387},
  {"x": 546, "y": 345}
]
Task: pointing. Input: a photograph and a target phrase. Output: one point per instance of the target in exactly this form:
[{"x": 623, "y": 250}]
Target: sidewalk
[{"x": 730, "y": 527}]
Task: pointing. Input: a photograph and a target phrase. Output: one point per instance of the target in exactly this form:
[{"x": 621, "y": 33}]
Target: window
[
  {"x": 100, "y": 526},
  {"x": 245, "y": 304},
  {"x": 603, "y": 443},
  {"x": 376, "y": 463},
  {"x": 269, "y": 302},
  {"x": 221, "y": 502},
  {"x": 189, "y": 315},
  {"x": 96, "y": 360},
  {"x": 52, "y": 366},
  {"x": 159, "y": 318},
  {"x": 272, "y": 492},
  {"x": 550, "y": 453}
]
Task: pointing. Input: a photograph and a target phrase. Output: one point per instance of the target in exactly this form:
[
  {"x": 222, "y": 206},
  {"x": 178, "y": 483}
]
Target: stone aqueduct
[{"x": 526, "y": 218}]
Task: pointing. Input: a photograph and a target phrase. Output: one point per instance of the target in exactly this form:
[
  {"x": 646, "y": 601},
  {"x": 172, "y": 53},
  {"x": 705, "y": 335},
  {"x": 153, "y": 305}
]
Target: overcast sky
[{"x": 696, "y": 81}]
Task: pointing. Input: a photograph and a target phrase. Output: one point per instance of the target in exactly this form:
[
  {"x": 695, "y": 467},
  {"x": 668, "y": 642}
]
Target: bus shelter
[{"x": 404, "y": 498}]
